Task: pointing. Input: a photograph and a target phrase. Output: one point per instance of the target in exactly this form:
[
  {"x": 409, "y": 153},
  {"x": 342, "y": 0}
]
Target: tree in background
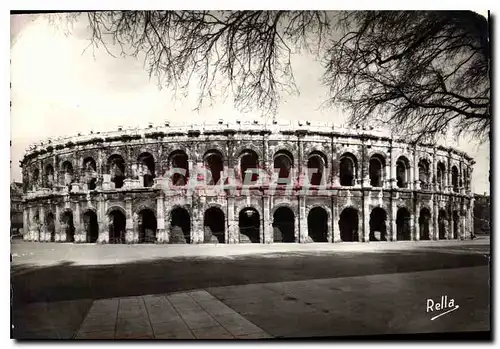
[{"x": 419, "y": 72}]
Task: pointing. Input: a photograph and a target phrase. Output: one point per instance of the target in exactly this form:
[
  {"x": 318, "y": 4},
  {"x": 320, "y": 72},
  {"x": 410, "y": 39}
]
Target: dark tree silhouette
[{"x": 421, "y": 71}]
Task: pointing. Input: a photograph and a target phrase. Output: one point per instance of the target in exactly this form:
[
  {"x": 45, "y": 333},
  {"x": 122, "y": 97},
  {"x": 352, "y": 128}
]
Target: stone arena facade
[{"x": 195, "y": 184}]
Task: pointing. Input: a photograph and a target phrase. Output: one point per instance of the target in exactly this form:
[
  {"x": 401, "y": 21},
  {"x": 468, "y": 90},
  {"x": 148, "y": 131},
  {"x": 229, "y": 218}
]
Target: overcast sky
[{"x": 60, "y": 90}]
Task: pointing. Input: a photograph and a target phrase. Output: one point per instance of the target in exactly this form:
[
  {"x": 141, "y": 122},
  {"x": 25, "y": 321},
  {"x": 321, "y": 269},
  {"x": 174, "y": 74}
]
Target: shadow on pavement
[{"x": 69, "y": 281}]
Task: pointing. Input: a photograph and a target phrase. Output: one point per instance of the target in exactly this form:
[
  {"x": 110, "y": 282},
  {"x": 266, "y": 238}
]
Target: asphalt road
[{"x": 69, "y": 280}]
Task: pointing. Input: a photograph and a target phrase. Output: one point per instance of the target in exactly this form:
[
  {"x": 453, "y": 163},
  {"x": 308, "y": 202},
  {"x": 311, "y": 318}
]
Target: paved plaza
[{"x": 352, "y": 289}]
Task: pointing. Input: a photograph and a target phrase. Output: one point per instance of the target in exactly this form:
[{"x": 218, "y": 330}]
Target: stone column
[
  {"x": 25, "y": 223},
  {"x": 393, "y": 221},
  {"x": 79, "y": 235},
  {"x": 387, "y": 181},
  {"x": 365, "y": 235},
  {"x": 43, "y": 223},
  {"x": 435, "y": 222},
  {"x": 129, "y": 225},
  {"x": 302, "y": 231},
  {"x": 365, "y": 168},
  {"x": 103, "y": 221},
  {"x": 268, "y": 231},
  {"x": 161, "y": 233},
  {"x": 416, "y": 216},
  {"x": 57, "y": 224},
  {"x": 335, "y": 224},
  {"x": 471, "y": 217},
  {"x": 232, "y": 236},
  {"x": 336, "y": 171},
  {"x": 197, "y": 228}
]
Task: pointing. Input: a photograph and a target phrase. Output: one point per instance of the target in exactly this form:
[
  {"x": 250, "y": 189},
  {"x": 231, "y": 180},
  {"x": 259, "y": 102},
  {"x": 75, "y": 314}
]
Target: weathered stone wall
[{"x": 51, "y": 188}]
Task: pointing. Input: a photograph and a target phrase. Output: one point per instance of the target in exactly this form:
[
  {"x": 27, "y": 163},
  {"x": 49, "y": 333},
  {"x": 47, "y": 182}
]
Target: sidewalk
[{"x": 360, "y": 305}]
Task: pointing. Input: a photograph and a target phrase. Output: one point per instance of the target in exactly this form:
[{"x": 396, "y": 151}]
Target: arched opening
[
  {"x": 283, "y": 163},
  {"x": 348, "y": 170},
  {"x": 442, "y": 224},
  {"x": 146, "y": 224},
  {"x": 51, "y": 228},
  {"x": 49, "y": 176},
  {"x": 403, "y": 225},
  {"x": 249, "y": 161},
  {"x": 179, "y": 164},
  {"x": 67, "y": 225},
  {"x": 214, "y": 224},
  {"x": 441, "y": 175},
  {"x": 378, "y": 228},
  {"x": 316, "y": 164},
  {"x": 214, "y": 162},
  {"x": 90, "y": 172},
  {"x": 423, "y": 174},
  {"x": 117, "y": 224},
  {"x": 90, "y": 226},
  {"x": 249, "y": 225},
  {"x": 67, "y": 173},
  {"x": 317, "y": 224},
  {"x": 424, "y": 221},
  {"x": 348, "y": 225},
  {"x": 456, "y": 224},
  {"x": 146, "y": 168},
  {"x": 116, "y": 166},
  {"x": 402, "y": 172},
  {"x": 376, "y": 170},
  {"x": 454, "y": 178},
  {"x": 284, "y": 225},
  {"x": 180, "y": 226},
  {"x": 35, "y": 178}
]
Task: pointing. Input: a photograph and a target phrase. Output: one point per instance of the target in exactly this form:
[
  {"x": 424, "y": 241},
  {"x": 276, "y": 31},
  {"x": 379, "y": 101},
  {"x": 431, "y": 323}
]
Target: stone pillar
[
  {"x": 25, "y": 223},
  {"x": 233, "y": 236},
  {"x": 161, "y": 233},
  {"x": 335, "y": 224},
  {"x": 103, "y": 221},
  {"x": 393, "y": 221},
  {"x": 79, "y": 235},
  {"x": 471, "y": 217},
  {"x": 365, "y": 235},
  {"x": 336, "y": 171},
  {"x": 43, "y": 223},
  {"x": 435, "y": 222},
  {"x": 302, "y": 233},
  {"x": 268, "y": 231},
  {"x": 387, "y": 181},
  {"x": 57, "y": 224},
  {"x": 129, "y": 225},
  {"x": 416, "y": 216},
  {"x": 197, "y": 228}
]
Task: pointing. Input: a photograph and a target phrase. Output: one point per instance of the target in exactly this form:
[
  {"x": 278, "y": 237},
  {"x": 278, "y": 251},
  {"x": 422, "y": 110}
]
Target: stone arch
[
  {"x": 67, "y": 224},
  {"x": 317, "y": 223},
  {"x": 240, "y": 149},
  {"x": 146, "y": 223},
  {"x": 214, "y": 225},
  {"x": 249, "y": 224},
  {"x": 180, "y": 225},
  {"x": 455, "y": 178},
  {"x": 349, "y": 223},
  {"x": 317, "y": 160},
  {"x": 424, "y": 174},
  {"x": 403, "y": 169},
  {"x": 35, "y": 178},
  {"x": 146, "y": 167},
  {"x": 425, "y": 221},
  {"x": 116, "y": 166},
  {"x": 178, "y": 164},
  {"x": 248, "y": 159},
  {"x": 378, "y": 224},
  {"x": 443, "y": 224},
  {"x": 376, "y": 170},
  {"x": 455, "y": 224},
  {"x": 441, "y": 175},
  {"x": 283, "y": 161},
  {"x": 90, "y": 225},
  {"x": 403, "y": 224},
  {"x": 117, "y": 219},
  {"x": 50, "y": 225},
  {"x": 213, "y": 160},
  {"x": 67, "y": 173},
  {"x": 284, "y": 224},
  {"x": 348, "y": 169},
  {"x": 48, "y": 175}
]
